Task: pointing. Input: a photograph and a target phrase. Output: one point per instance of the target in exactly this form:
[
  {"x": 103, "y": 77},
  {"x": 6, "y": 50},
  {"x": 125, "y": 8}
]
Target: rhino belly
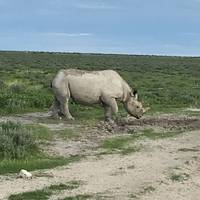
[{"x": 85, "y": 94}]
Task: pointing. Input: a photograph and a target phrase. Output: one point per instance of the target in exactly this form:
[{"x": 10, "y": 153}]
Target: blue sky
[{"x": 164, "y": 27}]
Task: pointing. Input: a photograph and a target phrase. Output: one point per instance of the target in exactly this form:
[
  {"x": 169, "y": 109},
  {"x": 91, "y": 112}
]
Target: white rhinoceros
[{"x": 94, "y": 87}]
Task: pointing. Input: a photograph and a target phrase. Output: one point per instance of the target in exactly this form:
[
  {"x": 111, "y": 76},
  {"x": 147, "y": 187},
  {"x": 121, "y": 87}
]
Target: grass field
[
  {"x": 164, "y": 83},
  {"x": 36, "y": 142}
]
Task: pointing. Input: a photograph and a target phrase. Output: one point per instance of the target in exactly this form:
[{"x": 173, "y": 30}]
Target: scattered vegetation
[
  {"x": 148, "y": 189},
  {"x": 119, "y": 144},
  {"x": 40, "y": 132},
  {"x": 34, "y": 163},
  {"x": 195, "y": 149},
  {"x": 79, "y": 197},
  {"x": 179, "y": 177},
  {"x": 17, "y": 142},
  {"x": 19, "y": 148},
  {"x": 26, "y": 77},
  {"x": 145, "y": 190},
  {"x": 153, "y": 135},
  {"x": 45, "y": 193},
  {"x": 125, "y": 144}
]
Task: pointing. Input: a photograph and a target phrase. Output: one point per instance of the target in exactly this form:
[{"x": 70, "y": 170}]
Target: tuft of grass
[
  {"x": 148, "y": 189},
  {"x": 45, "y": 193},
  {"x": 40, "y": 132},
  {"x": 35, "y": 195},
  {"x": 151, "y": 134},
  {"x": 79, "y": 197},
  {"x": 120, "y": 144},
  {"x": 180, "y": 177},
  {"x": 69, "y": 186},
  {"x": 115, "y": 143},
  {"x": 133, "y": 196},
  {"x": 188, "y": 149},
  {"x": 145, "y": 190}
]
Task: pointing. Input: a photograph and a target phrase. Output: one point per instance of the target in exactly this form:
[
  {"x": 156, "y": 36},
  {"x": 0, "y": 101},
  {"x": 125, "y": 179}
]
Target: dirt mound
[{"x": 169, "y": 122}]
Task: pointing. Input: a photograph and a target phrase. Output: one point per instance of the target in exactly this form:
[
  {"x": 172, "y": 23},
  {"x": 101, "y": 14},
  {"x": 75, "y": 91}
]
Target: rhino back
[{"x": 87, "y": 87}]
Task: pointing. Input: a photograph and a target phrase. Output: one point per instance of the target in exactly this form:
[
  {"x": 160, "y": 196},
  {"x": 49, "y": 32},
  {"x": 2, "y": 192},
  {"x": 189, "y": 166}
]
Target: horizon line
[{"x": 100, "y": 53}]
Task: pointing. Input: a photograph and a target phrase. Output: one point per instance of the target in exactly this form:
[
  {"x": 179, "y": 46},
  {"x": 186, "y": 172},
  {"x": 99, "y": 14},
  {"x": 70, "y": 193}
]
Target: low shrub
[
  {"x": 17, "y": 142},
  {"x": 16, "y": 88}
]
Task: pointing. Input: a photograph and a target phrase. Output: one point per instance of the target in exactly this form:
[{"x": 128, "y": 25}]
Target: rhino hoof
[{"x": 71, "y": 118}]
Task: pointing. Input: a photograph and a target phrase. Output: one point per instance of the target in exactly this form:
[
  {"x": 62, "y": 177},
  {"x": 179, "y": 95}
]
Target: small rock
[{"x": 24, "y": 174}]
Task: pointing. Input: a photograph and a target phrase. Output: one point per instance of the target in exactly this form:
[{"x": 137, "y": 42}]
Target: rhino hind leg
[
  {"x": 110, "y": 106},
  {"x": 55, "y": 109},
  {"x": 64, "y": 107}
]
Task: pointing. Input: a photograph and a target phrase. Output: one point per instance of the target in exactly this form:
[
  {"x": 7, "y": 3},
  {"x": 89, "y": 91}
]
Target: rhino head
[{"x": 134, "y": 107}]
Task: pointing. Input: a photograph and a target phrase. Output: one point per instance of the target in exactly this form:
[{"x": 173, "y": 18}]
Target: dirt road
[{"x": 163, "y": 169}]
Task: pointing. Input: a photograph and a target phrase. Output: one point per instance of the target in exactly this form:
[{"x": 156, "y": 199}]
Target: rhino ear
[
  {"x": 136, "y": 96},
  {"x": 131, "y": 94}
]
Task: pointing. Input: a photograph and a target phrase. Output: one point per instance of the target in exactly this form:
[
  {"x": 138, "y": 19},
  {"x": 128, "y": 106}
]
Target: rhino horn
[{"x": 146, "y": 109}]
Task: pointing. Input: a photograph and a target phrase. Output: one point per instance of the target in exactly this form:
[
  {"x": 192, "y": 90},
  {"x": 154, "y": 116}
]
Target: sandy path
[{"x": 130, "y": 176}]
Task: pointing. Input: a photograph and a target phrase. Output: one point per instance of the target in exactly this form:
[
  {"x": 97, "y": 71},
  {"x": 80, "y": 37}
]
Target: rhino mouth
[
  {"x": 135, "y": 116},
  {"x": 138, "y": 117}
]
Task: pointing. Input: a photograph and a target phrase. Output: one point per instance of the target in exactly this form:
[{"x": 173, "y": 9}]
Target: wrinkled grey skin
[{"x": 93, "y": 87}]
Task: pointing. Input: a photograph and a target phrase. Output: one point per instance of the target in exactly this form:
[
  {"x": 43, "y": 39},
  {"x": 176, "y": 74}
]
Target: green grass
[
  {"x": 151, "y": 134},
  {"x": 69, "y": 186},
  {"x": 30, "y": 164},
  {"x": 164, "y": 83},
  {"x": 40, "y": 132},
  {"x": 79, "y": 197},
  {"x": 45, "y": 193},
  {"x": 179, "y": 177},
  {"x": 17, "y": 141},
  {"x": 116, "y": 142},
  {"x": 119, "y": 144},
  {"x": 36, "y": 195},
  {"x": 126, "y": 144},
  {"x": 19, "y": 148}
]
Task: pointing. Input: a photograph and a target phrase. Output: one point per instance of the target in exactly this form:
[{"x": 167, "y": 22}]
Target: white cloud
[
  {"x": 95, "y": 6},
  {"x": 62, "y": 34}
]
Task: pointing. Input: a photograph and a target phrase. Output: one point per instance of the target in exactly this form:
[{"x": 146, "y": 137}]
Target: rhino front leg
[{"x": 110, "y": 106}]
